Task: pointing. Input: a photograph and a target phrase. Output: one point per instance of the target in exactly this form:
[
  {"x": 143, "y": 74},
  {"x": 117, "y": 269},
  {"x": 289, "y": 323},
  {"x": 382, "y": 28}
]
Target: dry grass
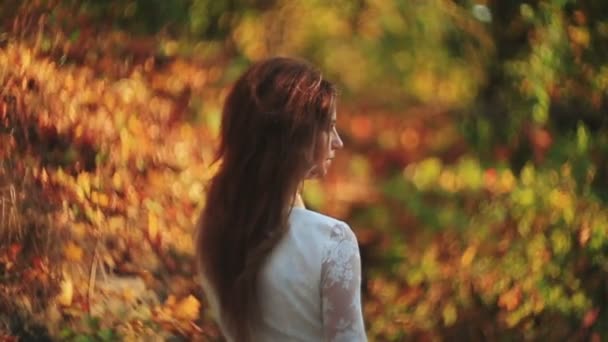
[{"x": 30, "y": 255}]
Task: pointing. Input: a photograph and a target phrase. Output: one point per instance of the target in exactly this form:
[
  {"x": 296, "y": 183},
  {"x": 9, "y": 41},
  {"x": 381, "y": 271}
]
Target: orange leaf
[
  {"x": 73, "y": 252},
  {"x": 510, "y": 300},
  {"x": 187, "y": 308}
]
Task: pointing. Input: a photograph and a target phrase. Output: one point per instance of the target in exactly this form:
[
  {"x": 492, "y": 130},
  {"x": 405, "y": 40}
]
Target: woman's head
[
  {"x": 278, "y": 128},
  {"x": 281, "y": 111}
]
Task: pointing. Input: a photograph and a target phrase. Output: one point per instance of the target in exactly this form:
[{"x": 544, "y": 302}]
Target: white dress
[{"x": 310, "y": 289}]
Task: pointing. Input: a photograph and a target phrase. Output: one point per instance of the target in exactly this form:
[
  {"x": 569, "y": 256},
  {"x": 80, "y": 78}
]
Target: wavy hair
[{"x": 269, "y": 138}]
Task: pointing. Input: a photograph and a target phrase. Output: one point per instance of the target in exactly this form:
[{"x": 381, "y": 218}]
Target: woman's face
[{"x": 329, "y": 143}]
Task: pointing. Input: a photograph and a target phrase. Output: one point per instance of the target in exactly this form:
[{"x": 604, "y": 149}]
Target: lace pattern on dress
[{"x": 341, "y": 287}]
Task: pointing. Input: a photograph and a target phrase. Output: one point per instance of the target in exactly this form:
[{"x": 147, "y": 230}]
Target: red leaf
[
  {"x": 14, "y": 250},
  {"x": 590, "y": 317},
  {"x": 37, "y": 263}
]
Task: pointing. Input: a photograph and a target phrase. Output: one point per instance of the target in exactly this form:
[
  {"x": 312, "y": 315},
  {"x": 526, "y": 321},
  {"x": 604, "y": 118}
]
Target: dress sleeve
[{"x": 341, "y": 287}]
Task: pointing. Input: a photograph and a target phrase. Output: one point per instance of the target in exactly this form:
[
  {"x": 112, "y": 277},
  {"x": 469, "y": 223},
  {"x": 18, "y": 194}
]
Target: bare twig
[{"x": 92, "y": 276}]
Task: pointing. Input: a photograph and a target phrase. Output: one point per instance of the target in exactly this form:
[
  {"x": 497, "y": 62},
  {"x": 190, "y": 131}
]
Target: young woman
[{"x": 271, "y": 269}]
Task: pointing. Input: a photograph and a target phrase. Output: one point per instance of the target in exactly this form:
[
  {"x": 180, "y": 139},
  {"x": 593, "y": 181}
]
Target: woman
[{"x": 271, "y": 269}]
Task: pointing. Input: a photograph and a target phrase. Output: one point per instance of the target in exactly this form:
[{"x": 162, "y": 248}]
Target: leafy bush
[
  {"x": 118, "y": 196},
  {"x": 518, "y": 257},
  {"x": 474, "y": 173}
]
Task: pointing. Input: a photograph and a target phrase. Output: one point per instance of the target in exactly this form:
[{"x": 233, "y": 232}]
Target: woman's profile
[{"x": 271, "y": 269}]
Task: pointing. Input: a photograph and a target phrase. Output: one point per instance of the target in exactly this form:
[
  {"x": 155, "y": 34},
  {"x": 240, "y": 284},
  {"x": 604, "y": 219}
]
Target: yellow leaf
[
  {"x": 449, "y": 314},
  {"x": 187, "y": 308},
  {"x": 103, "y": 200},
  {"x": 135, "y": 126},
  {"x": 117, "y": 181},
  {"x": 468, "y": 255},
  {"x": 152, "y": 225},
  {"x": 94, "y": 197},
  {"x": 128, "y": 295},
  {"x": 84, "y": 181},
  {"x": 72, "y": 252},
  {"x": 79, "y": 230},
  {"x": 116, "y": 223},
  {"x": 507, "y": 181},
  {"x": 67, "y": 292}
]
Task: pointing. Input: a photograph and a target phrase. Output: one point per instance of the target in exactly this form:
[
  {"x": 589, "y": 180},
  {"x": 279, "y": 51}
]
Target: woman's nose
[{"x": 336, "y": 142}]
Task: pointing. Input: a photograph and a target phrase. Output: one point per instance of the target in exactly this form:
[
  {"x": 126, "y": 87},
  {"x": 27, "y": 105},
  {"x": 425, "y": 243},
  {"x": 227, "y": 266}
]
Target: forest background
[{"x": 475, "y": 172}]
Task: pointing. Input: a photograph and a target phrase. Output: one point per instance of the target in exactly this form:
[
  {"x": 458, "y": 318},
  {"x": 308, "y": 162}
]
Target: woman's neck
[{"x": 298, "y": 202}]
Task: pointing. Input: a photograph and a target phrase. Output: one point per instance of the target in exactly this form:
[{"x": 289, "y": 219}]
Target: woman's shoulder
[
  {"x": 310, "y": 217},
  {"x": 319, "y": 223}
]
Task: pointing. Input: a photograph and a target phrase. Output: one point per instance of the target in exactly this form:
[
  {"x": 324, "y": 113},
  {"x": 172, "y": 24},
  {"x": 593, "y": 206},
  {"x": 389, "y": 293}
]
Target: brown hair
[{"x": 270, "y": 127}]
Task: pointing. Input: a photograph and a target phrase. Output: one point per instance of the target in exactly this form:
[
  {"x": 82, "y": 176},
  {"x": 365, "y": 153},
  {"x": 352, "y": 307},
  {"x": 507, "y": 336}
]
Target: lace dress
[{"x": 310, "y": 289}]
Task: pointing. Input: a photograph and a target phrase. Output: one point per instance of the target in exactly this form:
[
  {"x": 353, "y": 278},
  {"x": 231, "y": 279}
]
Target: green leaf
[
  {"x": 427, "y": 172},
  {"x": 66, "y": 333},
  {"x": 582, "y": 138},
  {"x": 92, "y": 322},
  {"x": 83, "y": 338},
  {"x": 74, "y": 36},
  {"x": 106, "y": 334}
]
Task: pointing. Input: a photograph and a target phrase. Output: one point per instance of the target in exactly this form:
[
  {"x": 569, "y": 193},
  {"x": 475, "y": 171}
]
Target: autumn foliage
[{"x": 474, "y": 173}]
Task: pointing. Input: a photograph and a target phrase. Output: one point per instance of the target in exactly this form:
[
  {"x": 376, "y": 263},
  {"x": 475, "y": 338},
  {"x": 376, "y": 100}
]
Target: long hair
[{"x": 269, "y": 138}]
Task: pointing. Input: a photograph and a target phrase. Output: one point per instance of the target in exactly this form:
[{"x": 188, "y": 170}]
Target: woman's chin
[{"x": 322, "y": 171}]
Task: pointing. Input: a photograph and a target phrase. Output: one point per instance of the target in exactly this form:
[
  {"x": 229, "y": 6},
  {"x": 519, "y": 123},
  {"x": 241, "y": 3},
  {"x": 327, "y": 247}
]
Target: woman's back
[
  {"x": 309, "y": 290},
  {"x": 279, "y": 274}
]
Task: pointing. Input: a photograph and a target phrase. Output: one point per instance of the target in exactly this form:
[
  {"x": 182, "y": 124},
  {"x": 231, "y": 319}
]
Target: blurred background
[{"x": 475, "y": 172}]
